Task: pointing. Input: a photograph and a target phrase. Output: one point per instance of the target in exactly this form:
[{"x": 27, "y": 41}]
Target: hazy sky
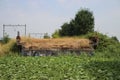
[{"x": 42, "y": 16}]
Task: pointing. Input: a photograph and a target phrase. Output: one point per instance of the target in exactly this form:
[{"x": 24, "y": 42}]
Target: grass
[{"x": 6, "y": 48}]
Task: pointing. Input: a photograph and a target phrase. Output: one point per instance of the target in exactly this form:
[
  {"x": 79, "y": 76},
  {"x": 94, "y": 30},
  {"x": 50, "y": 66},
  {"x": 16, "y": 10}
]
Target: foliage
[
  {"x": 56, "y": 34},
  {"x": 6, "y": 48},
  {"x": 103, "y": 65},
  {"x": 106, "y": 43},
  {"x": 46, "y": 36},
  {"x": 103, "y": 69},
  {"x": 5, "y": 39},
  {"x": 82, "y": 24},
  {"x": 14, "y": 48},
  {"x": 68, "y": 29},
  {"x": 115, "y": 38},
  {"x": 59, "y": 68}
]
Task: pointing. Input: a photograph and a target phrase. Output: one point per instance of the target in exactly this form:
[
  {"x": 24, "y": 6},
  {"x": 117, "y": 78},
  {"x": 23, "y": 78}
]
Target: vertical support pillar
[
  {"x": 25, "y": 29},
  {"x": 3, "y": 30}
]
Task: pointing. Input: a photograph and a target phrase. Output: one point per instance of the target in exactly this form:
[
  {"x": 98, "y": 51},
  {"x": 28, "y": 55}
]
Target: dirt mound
[{"x": 60, "y": 43}]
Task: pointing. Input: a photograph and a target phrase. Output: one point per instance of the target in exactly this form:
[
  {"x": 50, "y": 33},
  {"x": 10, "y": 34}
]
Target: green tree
[
  {"x": 72, "y": 27},
  {"x": 84, "y": 22},
  {"x": 64, "y": 29}
]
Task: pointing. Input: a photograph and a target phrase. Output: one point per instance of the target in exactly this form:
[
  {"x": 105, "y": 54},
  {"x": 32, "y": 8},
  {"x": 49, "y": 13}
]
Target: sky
[{"x": 46, "y": 16}]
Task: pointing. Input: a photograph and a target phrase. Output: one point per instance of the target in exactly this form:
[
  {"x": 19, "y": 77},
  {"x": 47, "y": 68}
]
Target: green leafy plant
[{"x": 59, "y": 68}]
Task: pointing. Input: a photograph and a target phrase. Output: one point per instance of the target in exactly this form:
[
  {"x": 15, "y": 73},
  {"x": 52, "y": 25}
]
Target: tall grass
[
  {"x": 6, "y": 48},
  {"x": 0, "y": 48}
]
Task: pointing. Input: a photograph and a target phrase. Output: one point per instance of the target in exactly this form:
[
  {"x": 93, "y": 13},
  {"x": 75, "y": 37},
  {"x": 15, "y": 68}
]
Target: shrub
[
  {"x": 56, "y": 34},
  {"x": 5, "y": 39},
  {"x": 46, "y": 36},
  {"x": 106, "y": 43}
]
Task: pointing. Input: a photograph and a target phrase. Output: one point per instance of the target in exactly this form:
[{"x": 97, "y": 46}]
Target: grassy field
[{"x": 70, "y": 67}]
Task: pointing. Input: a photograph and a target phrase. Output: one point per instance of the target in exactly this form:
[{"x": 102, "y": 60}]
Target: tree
[
  {"x": 64, "y": 29},
  {"x": 82, "y": 24}
]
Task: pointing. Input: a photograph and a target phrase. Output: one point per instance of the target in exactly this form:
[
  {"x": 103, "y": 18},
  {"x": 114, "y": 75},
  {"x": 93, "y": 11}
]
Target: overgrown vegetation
[
  {"x": 106, "y": 43},
  {"x": 103, "y": 65},
  {"x": 5, "y": 39},
  {"x": 59, "y": 68},
  {"x": 46, "y": 36},
  {"x": 7, "y": 48}
]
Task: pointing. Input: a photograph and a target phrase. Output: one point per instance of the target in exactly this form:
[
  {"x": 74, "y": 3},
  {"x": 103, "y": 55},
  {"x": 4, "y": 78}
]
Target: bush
[
  {"x": 46, "y": 36},
  {"x": 5, "y": 39},
  {"x": 56, "y": 34},
  {"x": 105, "y": 43}
]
